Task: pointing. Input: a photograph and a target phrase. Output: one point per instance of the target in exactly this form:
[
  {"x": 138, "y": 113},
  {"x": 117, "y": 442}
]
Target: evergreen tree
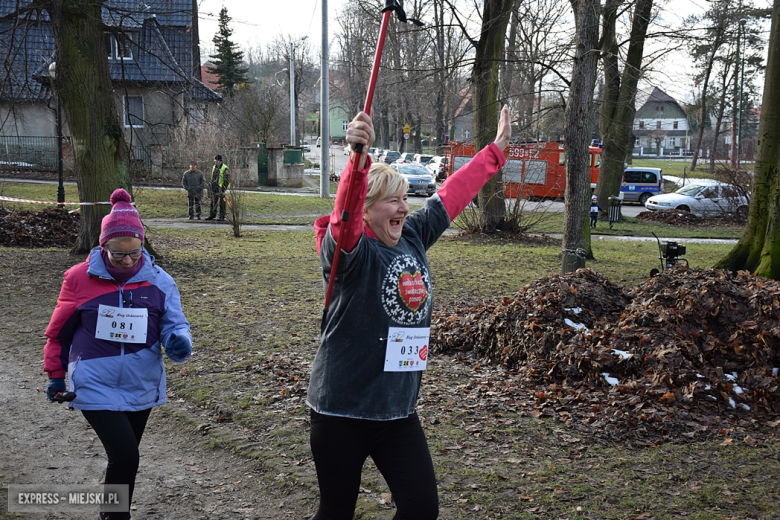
[{"x": 228, "y": 59}]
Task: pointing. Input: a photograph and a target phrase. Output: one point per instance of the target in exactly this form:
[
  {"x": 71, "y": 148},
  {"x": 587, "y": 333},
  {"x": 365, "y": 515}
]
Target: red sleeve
[
  {"x": 461, "y": 187},
  {"x": 355, "y": 222},
  {"x": 53, "y": 350}
]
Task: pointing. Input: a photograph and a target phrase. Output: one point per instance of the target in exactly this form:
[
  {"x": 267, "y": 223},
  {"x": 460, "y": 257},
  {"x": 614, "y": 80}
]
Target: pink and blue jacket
[{"x": 111, "y": 375}]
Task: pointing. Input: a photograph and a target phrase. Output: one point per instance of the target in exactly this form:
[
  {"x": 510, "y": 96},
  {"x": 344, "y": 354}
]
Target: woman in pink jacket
[{"x": 374, "y": 340}]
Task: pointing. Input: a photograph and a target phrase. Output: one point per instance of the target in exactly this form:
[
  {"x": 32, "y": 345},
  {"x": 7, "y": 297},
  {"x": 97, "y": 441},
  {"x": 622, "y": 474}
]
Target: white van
[{"x": 639, "y": 184}]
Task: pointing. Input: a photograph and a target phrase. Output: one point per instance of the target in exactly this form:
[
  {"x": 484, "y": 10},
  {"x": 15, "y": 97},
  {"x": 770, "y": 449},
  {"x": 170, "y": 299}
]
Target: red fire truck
[{"x": 533, "y": 170}]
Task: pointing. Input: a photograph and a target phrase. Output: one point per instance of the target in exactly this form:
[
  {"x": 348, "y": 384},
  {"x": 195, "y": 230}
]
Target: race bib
[
  {"x": 122, "y": 324},
  {"x": 407, "y": 349}
]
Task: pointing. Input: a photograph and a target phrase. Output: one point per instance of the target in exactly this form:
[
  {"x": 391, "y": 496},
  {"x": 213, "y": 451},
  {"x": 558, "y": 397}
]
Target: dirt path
[{"x": 180, "y": 476}]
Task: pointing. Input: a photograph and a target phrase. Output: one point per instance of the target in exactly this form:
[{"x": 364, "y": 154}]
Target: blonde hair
[{"x": 383, "y": 182}]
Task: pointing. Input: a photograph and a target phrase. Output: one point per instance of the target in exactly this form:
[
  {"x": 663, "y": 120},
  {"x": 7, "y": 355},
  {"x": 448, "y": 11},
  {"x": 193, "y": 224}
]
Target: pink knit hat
[{"x": 123, "y": 221}]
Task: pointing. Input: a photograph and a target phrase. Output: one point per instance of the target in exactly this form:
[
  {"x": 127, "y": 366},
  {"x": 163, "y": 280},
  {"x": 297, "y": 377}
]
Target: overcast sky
[{"x": 261, "y": 21}]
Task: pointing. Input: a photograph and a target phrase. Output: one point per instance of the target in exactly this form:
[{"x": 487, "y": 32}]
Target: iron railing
[{"x": 28, "y": 153}]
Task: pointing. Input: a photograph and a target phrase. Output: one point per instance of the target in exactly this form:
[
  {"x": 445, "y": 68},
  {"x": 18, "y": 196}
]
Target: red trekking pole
[{"x": 390, "y": 6}]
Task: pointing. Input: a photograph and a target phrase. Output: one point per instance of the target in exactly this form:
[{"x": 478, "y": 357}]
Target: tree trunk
[
  {"x": 703, "y": 121},
  {"x": 758, "y": 251},
  {"x": 489, "y": 52},
  {"x": 617, "y": 107},
  {"x": 576, "y": 233},
  {"x": 83, "y": 83}
]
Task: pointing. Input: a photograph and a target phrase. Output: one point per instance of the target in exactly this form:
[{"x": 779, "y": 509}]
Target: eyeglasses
[{"x": 120, "y": 255}]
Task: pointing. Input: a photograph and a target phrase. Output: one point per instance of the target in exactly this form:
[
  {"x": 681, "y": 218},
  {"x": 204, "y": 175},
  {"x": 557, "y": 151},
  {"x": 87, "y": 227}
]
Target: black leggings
[
  {"x": 340, "y": 446},
  {"x": 120, "y": 433}
]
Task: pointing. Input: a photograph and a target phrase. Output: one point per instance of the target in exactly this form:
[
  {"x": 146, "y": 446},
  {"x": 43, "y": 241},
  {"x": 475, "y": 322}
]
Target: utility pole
[{"x": 324, "y": 110}]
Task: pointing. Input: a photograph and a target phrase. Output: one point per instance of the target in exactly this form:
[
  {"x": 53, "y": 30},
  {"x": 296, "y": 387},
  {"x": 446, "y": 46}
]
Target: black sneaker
[
  {"x": 221, "y": 219},
  {"x": 198, "y": 217},
  {"x": 209, "y": 218},
  {"x": 191, "y": 217}
]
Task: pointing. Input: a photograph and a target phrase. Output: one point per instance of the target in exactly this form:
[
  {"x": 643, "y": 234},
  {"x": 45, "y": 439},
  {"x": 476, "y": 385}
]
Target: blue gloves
[
  {"x": 179, "y": 347},
  {"x": 55, "y": 385}
]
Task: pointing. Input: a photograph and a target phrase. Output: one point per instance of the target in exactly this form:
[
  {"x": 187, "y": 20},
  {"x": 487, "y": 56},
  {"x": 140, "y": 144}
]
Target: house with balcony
[
  {"x": 660, "y": 125},
  {"x": 154, "y": 60}
]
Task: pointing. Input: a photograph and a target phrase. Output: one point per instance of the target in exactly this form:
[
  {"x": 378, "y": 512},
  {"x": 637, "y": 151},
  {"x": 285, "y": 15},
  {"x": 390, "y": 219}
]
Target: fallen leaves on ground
[
  {"x": 672, "y": 217},
  {"x": 689, "y": 352},
  {"x": 52, "y": 227},
  {"x": 678, "y": 217}
]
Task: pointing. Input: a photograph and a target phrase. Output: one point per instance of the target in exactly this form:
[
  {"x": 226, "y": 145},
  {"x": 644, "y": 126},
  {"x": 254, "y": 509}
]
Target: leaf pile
[
  {"x": 672, "y": 217},
  {"x": 682, "y": 352},
  {"x": 52, "y": 227}
]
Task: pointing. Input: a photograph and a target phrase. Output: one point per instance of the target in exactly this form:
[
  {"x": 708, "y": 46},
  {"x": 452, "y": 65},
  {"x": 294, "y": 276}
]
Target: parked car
[
  {"x": 406, "y": 158},
  {"x": 639, "y": 184},
  {"x": 372, "y": 152},
  {"x": 421, "y": 159},
  {"x": 421, "y": 181},
  {"x": 703, "y": 200},
  {"x": 319, "y": 142},
  {"x": 347, "y": 149},
  {"x": 389, "y": 157},
  {"x": 377, "y": 153},
  {"x": 306, "y": 147},
  {"x": 436, "y": 167}
]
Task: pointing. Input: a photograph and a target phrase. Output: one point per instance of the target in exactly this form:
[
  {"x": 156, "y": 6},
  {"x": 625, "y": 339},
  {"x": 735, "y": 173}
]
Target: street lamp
[
  {"x": 293, "y": 140},
  {"x": 742, "y": 23},
  {"x": 276, "y": 81},
  {"x": 60, "y": 186}
]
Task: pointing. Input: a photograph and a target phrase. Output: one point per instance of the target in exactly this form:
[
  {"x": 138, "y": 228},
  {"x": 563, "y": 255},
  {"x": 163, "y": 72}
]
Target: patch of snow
[
  {"x": 576, "y": 326},
  {"x": 609, "y": 379}
]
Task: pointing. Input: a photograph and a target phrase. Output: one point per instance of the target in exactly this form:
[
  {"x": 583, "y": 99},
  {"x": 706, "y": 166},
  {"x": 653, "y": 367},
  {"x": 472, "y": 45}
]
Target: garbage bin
[
  {"x": 573, "y": 259},
  {"x": 292, "y": 156},
  {"x": 613, "y": 211},
  {"x": 262, "y": 164}
]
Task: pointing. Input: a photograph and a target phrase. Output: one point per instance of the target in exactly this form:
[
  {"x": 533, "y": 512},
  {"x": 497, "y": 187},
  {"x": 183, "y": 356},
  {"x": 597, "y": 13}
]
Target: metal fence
[
  {"x": 28, "y": 153},
  {"x": 140, "y": 158}
]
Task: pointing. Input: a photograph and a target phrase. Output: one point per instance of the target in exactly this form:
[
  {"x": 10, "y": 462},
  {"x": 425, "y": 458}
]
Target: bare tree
[
  {"x": 758, "y": 251},
  {"x": 586, "y": 17},
  {"x": 618, "y": 101}
]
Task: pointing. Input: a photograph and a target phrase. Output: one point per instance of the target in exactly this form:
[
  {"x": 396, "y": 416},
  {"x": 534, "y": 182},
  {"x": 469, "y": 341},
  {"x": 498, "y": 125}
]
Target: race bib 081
[{"x": 122, "y": 324}]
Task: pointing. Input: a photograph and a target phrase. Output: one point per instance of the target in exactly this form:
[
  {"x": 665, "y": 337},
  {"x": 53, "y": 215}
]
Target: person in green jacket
[{"x": 220, "y": 182}]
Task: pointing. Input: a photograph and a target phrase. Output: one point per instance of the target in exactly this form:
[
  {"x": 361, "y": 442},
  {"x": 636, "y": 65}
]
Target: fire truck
[{"x": 532, "y": 170}]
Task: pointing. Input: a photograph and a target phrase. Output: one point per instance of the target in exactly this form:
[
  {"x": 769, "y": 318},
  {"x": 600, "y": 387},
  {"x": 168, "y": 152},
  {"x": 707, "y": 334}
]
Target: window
[
  {"x": 344, "y": 125},
  {"x": 632, "y": 177},
  {"x": 641, "y": 125},
  {"x": 120, "y": 46},
  {"x": 675, "y": 125},
  {"x": 536, "y": 172},
  {"x": 657, "y": 125},
  {"x": 672, "y": 142},
  {"x": 134, "y": 111},
  {"x": 659, "y": 110}
]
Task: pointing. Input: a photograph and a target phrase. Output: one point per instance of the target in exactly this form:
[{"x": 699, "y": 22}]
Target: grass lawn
[{"x": 261, "y": 208}]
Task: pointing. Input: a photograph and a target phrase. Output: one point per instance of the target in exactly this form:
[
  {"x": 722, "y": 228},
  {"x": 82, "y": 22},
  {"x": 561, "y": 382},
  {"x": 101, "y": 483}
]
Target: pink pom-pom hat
[{"x": 123, "y": 221}]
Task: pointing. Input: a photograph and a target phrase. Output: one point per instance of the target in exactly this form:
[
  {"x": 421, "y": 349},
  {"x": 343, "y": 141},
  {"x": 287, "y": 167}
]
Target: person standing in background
[
  {"x": 194, "y": 182},
  {"x": 220, "y": 182}
]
